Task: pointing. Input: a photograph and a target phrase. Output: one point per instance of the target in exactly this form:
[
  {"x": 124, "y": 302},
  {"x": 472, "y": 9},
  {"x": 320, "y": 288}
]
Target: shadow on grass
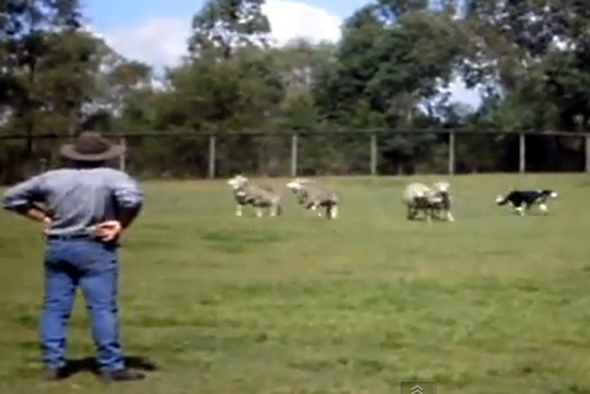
[
  {"x": 435, "y": 219},
  {"x": 88, "y": 364}
]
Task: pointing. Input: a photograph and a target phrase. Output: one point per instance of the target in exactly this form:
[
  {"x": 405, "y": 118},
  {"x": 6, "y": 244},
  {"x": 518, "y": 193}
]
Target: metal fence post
[
  {"x": 522, "y": 153},
  {"x": 294, "y": 154},
  {"x": 123, "y": 157},
  {"x": 212, "y": 156},
  {"x": 451, "y": 152},
  {"x": 373, "y": 150}
]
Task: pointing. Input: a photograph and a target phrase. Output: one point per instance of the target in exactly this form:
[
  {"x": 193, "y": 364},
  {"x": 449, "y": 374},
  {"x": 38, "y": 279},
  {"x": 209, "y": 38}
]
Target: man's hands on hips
[
  {"x": 46, "y": 223},
  {"x": 109, "y": 230}
]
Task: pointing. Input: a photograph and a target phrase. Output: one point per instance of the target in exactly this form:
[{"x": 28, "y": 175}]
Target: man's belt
[{"x": 66, "y": 237}]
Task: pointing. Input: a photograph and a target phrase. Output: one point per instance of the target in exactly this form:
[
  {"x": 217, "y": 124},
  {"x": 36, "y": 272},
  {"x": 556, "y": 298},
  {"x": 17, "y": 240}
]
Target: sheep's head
[
  {"x": 297, "y": 184},
  {"x": 442, "y": 186},
  {"x": 237, "y": 181}
]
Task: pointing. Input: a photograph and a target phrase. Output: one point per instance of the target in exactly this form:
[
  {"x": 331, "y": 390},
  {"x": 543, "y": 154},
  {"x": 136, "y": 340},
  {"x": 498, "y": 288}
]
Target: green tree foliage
[
  {"x": 36, "y": 36},
  {"x": 221, "y": 26}
]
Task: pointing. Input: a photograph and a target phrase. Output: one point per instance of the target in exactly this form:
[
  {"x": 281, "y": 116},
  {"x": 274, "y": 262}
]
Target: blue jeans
[{"x": 94, "y": 267}]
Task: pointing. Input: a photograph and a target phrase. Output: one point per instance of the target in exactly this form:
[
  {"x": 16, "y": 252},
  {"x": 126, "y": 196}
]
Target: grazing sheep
[
  {"x": 247, "y": 193},
  {"x": 419, "y": 197},
  {"x": 296, "y": 186},
  {"x": 313, "y": 197},
  {"x": 443, "y": 190}
]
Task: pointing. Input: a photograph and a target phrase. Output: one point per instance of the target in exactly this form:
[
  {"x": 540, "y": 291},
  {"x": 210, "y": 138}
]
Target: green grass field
[{"x": 493, "y": 303}]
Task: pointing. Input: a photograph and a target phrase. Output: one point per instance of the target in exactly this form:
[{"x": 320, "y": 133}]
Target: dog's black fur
[{"x": 527, "y": 198}]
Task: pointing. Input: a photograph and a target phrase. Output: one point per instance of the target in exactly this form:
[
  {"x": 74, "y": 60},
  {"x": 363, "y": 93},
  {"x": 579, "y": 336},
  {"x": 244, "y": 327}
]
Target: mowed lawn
[{"x": 493, "y": 303}]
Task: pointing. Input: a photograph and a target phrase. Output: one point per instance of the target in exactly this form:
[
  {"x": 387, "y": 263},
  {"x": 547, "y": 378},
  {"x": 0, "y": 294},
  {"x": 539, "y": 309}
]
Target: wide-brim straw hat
[{"x": 91, "y": 147}]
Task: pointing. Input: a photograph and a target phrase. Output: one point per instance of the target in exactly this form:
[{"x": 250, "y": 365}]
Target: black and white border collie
[{"x": 522, "y": 200}]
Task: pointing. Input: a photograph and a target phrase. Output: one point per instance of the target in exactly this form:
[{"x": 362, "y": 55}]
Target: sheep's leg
[
  {"x": 412, "y": 213},
  {"x": 421, "y": 211},
  {"x": 429, "y": 212},
  {"x": 239, "y": 210},
  {"x": 450, "y": 217},
  {"x": 316, "y": 206},
  {"x": 438, "y": 214},
  {"x": 258, "y": 212},
  {"x": 276, "y": 209},
  {"x": 334, "y": 211}
]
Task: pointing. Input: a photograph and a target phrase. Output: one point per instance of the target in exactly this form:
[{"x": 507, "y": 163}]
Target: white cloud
[
  {"x": 291, "y": 20},
  {"x": 157, "y": 41},
  {"x": 163, "y": 41}
]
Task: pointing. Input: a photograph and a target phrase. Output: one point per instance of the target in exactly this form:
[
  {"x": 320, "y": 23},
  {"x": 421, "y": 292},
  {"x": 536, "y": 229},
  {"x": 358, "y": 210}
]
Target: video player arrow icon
[
  {"x": 417, "y": 390},
  {"x": 417, "y": 387}
]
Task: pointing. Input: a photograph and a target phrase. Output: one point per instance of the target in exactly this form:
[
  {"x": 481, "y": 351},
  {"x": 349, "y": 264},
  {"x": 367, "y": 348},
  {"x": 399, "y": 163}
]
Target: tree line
[{"x": 530, "y": 59}]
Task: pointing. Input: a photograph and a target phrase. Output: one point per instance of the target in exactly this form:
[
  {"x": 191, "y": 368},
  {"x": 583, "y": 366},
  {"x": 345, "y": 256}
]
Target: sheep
[
  {"x": 419, "y": 197},
  {"x": 313, "y": 197},
  {"x": 443, "y": 190},
  {"x": 297, "y": 187},
  {"x": 248, "y": 193}
]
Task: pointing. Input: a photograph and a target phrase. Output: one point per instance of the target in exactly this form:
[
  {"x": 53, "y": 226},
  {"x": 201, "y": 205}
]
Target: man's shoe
[
  {"x": 121, "y": 375},
  {"x": 52, "y": 373}
]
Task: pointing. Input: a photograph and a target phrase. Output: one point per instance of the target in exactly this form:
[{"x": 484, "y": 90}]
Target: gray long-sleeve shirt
[{"x": 77, "y": 198}]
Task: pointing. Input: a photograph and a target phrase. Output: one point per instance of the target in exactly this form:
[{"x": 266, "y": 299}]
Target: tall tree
[
  {"x": 300, "y": 64},
  {"x": 392, "y": 55},
  {"x": 30, "y": 33},
  {"x": 525, "y": 49},
  {"x": 221, "y": 26}
]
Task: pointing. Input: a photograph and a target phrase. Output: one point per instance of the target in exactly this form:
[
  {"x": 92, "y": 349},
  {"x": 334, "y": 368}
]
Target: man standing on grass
[{"x": 83, "y": 209}]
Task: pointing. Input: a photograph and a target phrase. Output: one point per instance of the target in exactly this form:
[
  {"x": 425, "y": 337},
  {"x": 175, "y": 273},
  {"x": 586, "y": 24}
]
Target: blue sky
[
  {"x": 109, "y": 14},
  {"x": 156, "y": 31}
]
